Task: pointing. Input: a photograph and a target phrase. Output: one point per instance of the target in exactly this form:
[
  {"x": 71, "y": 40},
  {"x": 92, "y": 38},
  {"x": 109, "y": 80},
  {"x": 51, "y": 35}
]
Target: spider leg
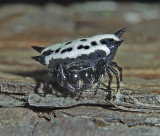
[
  {"x": 110, "y": 79},
  {"x": 118, "y": 67},
  {"x": 47, "y": 79},
  {"x": 80, "y": 94},
  {"x": 115, "y": 73},
  {"x": 101, "y": 72},
  {"x": 109, "y": 84},
  {"x": 98, "y": 84},
  {"x": 62, "y": 79}
]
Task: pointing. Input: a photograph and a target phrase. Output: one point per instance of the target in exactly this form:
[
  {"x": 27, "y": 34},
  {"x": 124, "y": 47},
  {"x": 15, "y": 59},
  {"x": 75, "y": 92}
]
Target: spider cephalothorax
[{"x": 77, "y": 65}]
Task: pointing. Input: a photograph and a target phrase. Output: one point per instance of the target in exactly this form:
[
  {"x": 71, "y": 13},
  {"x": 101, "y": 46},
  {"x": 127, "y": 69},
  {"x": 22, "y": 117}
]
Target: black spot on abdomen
[
  {"x": 106, "y": 41},
  {"x": 93, "y": 43},
  {"x": 80, "y": 47},
  {"x": 57, "y": 50},
  {"x": 69, "y": 49},
  {"x": 110, "y": 40},
  {"x": 83, "y": 40},
  {"x": 68, "y": 43},
  {"x": 65, "y": 50},
  {"x": 103, "y": 41},
  {"x": 46, "y": 53},
  {"x": 86, "y": 47}
]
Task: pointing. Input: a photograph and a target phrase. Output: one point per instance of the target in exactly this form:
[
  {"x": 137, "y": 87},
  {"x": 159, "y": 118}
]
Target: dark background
[{"x": 67, "y": 2}]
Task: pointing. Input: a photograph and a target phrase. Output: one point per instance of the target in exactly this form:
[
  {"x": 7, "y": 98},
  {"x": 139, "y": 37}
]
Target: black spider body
[
  {"x": 79, "y": 64},
  {"x": 79, "y": 73}
]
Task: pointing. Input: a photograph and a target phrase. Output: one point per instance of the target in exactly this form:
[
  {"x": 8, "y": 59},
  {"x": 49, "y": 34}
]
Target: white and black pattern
[
  {"x": 78, "y": 64},
  {"x": 75, "y": 48}
]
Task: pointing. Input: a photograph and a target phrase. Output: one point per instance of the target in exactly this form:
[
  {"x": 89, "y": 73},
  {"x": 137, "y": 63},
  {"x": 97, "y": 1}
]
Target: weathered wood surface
[{"x": 25, "y": 111}]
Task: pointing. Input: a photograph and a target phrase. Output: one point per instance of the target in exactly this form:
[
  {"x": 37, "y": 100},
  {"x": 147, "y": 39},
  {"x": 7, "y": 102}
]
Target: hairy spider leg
[
  {"x": 98, "y": 84},
  {"x": 80, "y": 94},
  {"x": 102, "y": 70},
  {"x": 118, "y": 67},
  {"x": 62, "y": 79},
  {"x": 47, "y": 79},
  {"x": 115, "y": 73},
  {"x": 110, "y": 79}
]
